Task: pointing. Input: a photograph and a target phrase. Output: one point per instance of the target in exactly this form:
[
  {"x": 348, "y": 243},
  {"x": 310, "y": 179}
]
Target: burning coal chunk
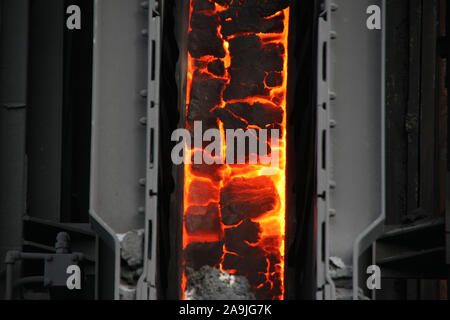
[
  {"x": 229, "y": 120},
  {"x": 270, "y": 289},
  {"x": 246, "y": 82},
  {"x": 256, "y": 279},
  {"x": 254, "y": 260},
  {"x": 274, "y": 79},
  {"x": 202, "y": 218},
  {"x": 244, "y": 45},
  {"x": 202, "y": 5},
  {"x": 199, "y": 254},
  {"x": 236, "y": 91},
  {"x": 250, "y": 64},
  {"x": 235, "y": 237},
  {"x": 272, "y": 58},
  {"x": 274, "y": 126},
  {"x": 245, "y": 198},
  {"x": 217, "y": 68},
  {"x": 267, "y": 8},
  {"x": 205, "y": 42},
  {"x": 202, "y": 192},
  {"x": 250, "y": 76},
  {"x": 247, "y": 19},
  {"x": 203, "y": 21},
  {"x": 264, "y": 8},
  {"x": 211, "y": 171},
  {"x": 259, "y": 114},
  {"x": 223, "y": 2},
  {"x": 205, "y": 95},
  {"x": 208, "y": 121},
  {"x": 268, "y": 58}
]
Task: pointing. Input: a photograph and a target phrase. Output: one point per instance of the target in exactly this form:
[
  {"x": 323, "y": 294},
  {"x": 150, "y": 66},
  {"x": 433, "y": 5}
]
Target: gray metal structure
[
  {"x": 118, "y": 133},
  {"x": 147, "y": 286},
  {"x": 351, "y": 201},
  {"x": 13, "y": 110}
]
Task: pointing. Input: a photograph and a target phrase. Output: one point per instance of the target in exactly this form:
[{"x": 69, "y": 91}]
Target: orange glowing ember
[{"x": 234, "y": 215}]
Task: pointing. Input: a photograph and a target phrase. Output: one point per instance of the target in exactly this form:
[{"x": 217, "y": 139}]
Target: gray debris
[
  {"x": 339, "y": 270},
  {"x": 337, "y": 262},
  {"x": 342, "y": 276},
  {"x": 128, "y": 275},
  {"x": 212, "y": 284},
  {"x": 132, "y": 247},
  {"x": 347, "y": 294},
  {"x": 127, "y": 292},
  {"x": 131, "y": 252}
]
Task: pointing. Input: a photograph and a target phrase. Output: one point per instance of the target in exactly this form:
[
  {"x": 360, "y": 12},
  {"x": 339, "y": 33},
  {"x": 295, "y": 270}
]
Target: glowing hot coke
[{"x": 234, "y": 214}]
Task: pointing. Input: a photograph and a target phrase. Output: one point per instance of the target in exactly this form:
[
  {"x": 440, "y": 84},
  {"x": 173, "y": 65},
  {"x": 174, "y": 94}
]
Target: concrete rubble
[
  {"x": 342, "y": 276},
  {"x": 131, "y": 266}
]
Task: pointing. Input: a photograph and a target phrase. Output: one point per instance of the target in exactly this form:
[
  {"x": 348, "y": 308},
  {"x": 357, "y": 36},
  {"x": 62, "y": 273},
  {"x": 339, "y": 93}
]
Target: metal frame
[
  {"x": 118, "y": 134},
  {"x": 147, "y": 286},
  {"x": 325, "y": 286}
]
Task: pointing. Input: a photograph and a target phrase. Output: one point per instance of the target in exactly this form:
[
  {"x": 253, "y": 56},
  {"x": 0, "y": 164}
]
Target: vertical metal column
[
  {"x": 118, "y": 136},
  {"x": 13, "y": 100},
  {"x": 147, "y": 286},
  {"x": 325, "y": 286}
]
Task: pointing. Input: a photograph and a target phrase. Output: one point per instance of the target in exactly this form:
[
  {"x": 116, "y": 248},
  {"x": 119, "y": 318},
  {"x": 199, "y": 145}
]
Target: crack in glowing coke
[{"x": 272, "y": 223}]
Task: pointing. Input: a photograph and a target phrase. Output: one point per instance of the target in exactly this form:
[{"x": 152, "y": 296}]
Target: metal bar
[
  {"x": 147, "y": 288},
  {"x": 13, "y": 99},
  {"x": 325, "y": 285}
]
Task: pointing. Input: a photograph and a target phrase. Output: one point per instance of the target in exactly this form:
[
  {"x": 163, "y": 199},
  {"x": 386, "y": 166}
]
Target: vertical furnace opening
[{"x": 234, "y": 213}]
